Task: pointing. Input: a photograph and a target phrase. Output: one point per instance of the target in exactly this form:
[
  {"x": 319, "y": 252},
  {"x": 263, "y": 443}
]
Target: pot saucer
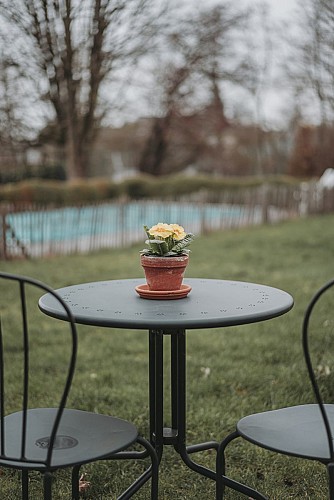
[{"x": 145, "y": 293}]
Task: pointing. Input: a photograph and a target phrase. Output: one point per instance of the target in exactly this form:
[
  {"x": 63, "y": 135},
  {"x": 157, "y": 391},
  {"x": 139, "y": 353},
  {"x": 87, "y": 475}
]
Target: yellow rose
[
  {"x": 161, "y": 230},
  {"x": 178, "y": 232}
]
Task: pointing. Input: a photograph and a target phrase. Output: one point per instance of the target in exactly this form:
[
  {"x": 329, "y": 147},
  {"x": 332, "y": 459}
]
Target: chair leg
[
  {"x": 155, "y": 467},
  {"x": 231, "y": 483},
  {"x": 47, "y": 479},
  {"x": 75, "y": 482},
  {"x": 330, "y": 469},
  {"x": 220, "y": 464},
  {"x": 25, "y": 484}
]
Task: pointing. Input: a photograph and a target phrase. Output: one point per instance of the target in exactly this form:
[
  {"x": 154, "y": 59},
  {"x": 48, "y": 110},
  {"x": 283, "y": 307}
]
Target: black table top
[{"x": 211, "y": 303}]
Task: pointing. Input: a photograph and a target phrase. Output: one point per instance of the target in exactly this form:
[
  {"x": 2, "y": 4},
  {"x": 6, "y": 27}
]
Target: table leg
[
  {"x": 174, "y": 387},
  {"x": 178, "y": 363},
  {"x": 176, "y": 434},
  {"x": 156, "y": 389}
]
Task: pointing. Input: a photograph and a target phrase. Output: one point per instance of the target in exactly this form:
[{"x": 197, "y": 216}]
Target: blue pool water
[
  {"x": 111, "y": 219},
  {"x": 89, "y": 228}
]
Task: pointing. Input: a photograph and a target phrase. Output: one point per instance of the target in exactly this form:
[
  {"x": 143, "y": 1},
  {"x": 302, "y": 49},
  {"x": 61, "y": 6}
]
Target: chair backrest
[
  {"x": 26, "y": 334},
  {"x": 309, "y": 313}
]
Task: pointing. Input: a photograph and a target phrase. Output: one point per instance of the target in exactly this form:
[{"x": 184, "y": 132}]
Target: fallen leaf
[{"x": 83, "y": 484}]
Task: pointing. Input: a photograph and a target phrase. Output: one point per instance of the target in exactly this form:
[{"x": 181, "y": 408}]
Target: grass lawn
[{"x": 231, "y": 372}]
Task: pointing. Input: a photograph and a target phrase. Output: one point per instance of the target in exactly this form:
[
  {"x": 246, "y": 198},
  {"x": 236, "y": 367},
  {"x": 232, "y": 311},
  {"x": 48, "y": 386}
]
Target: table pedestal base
[{"x": 175, "y": 435}]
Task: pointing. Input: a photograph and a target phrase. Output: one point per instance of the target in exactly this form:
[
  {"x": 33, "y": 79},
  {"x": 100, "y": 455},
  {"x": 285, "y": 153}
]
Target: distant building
[{"x": 327, "y": 179}]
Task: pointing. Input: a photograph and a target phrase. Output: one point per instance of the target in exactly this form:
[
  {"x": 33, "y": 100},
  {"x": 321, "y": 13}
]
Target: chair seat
[
  {"x": 82, "y": 437},
  {"x": 297, "y": 431}
]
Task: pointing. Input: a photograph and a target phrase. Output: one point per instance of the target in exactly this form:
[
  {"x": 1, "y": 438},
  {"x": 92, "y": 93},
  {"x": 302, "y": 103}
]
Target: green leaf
[
  {"x": 182, "y": 244},
  {"x": 146, "y": 229},
  {"x": 157, "y": 247}
]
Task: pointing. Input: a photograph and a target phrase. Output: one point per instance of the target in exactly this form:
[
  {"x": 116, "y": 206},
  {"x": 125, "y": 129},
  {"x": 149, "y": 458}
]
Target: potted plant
[{"x": 166, "y": 257}]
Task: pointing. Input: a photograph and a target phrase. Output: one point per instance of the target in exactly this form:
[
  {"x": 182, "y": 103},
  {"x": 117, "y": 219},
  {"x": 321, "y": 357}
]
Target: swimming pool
[{"x": 87, "y": 228}]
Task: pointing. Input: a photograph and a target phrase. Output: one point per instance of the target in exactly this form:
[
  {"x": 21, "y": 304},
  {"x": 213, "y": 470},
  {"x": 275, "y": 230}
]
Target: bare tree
[
  {"x": 16, "y": 130},
  {"x": 310, "y": 67},
  {"x": 203, "y": 54},
  {"x": 156, "y": 148},
  {"x": 73, "y": 49},
  {"x": 9, "y": 132},
  {"x": 310, "y": 71},
  {"x": 257, "y": 76}
]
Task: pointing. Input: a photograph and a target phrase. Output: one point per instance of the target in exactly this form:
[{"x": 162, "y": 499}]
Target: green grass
[{"x": 231, "y": 372}]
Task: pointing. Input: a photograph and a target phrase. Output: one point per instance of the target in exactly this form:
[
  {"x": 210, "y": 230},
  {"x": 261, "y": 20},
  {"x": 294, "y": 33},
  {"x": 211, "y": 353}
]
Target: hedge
[{"x": 142, "y": 187}]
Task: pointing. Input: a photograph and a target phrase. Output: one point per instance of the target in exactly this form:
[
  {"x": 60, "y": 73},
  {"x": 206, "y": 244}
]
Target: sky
[
  {"x": 274, "y": 104},
  {"x": 278, "y": 8},
  {"x": 281, "y": 8}
]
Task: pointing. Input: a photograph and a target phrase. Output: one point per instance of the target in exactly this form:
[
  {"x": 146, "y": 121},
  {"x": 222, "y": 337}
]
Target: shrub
[
  {"x": 140, "y": 187},
  {"x": 174, "y": 187},
  {"x": 34, "y": 191}
]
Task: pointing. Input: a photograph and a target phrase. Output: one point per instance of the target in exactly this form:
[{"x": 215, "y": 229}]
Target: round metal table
[{"x": 211, "y": 303}]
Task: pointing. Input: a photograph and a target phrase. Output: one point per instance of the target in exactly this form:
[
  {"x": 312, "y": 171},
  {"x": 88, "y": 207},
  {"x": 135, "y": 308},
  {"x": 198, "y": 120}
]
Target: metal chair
[
  {"x": 48, "y": 439},
  {"x": 304, "y": 431}
]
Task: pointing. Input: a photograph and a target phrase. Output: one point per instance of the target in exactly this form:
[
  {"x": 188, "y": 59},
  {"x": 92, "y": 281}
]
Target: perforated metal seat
[
  {"x": 304, "y": 431},
  {"x": 47, "y": 439}
]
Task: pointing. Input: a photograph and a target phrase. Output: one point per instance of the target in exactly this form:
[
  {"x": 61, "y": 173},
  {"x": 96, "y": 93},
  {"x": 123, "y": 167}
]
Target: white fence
[{"x": 37, "y": 231}]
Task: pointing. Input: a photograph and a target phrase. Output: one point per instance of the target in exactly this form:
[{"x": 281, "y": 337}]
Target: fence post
[
  {"x": 3, "y": 246},
  {"x": 203, "y": 226},
  {"x": 304, "y": 207},
  {"x": 122, "y": 209},
  {"x": 265, "y": 203}
]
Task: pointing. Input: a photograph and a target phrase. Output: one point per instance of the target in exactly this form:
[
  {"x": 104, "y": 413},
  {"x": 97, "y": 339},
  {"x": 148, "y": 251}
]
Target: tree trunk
[
  {"x": 76, "y": 158},
  {"x": 76, "y": 162},
  {"x": 155, "y": 149}
]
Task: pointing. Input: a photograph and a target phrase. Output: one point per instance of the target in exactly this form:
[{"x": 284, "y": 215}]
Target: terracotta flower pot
[{"x": 164, "y": 273}]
